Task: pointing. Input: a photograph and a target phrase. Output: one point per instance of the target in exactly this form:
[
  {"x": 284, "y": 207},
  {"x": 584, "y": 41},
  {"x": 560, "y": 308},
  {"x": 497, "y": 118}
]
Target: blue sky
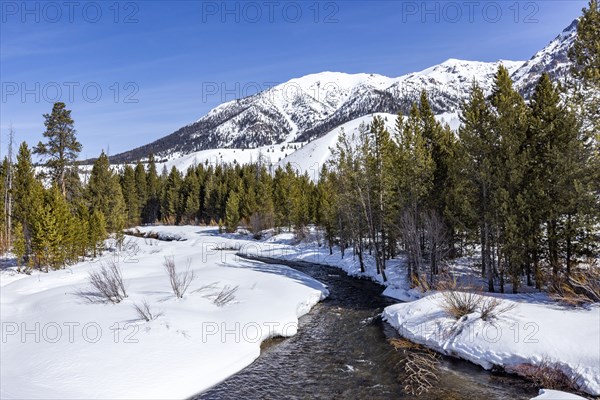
[{"x": 134, "y": 71}]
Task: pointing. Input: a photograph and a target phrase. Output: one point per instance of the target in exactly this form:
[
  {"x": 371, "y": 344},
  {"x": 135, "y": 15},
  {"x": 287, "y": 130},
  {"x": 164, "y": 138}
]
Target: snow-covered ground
[
  {"x": 546, "y": 394},
  {"x": 56, "y": 345},
  {"x": 87, "y": 350}
]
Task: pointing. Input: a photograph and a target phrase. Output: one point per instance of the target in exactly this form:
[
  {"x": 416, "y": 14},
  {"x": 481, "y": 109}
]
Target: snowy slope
[
  {"x": 311, "y": 156},
  {"x": 552, "y": 59}
]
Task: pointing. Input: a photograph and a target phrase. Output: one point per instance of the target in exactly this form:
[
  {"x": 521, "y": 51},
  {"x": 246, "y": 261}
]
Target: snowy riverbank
[
  {"x": 56, "y": 345},
  {"x": 537, "y": 330},
  {"x": 531, "y": 333}
]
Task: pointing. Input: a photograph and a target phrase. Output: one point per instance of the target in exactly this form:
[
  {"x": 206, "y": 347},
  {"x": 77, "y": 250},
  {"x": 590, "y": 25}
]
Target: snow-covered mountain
[
  {"x": 309, "y": 107},
  {"x": 553, "y": 59}
]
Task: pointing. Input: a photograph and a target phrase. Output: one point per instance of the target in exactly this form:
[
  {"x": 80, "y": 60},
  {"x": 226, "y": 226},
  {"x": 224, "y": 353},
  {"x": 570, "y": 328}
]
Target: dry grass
[
  {"x": 459, "y": 301},
  {"x": 223, "y": 297},
  {"x": 404, "y": 344},
  {"x": 144, "y": 312},
  {"x": 549, "y": 375},
  {"x": 491, "y": 308},
  {"x": 582, "y": 287}
]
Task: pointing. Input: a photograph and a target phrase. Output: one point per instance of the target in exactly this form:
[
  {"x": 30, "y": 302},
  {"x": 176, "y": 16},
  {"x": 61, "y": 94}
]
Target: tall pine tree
[{"x": 62, "y": 148}]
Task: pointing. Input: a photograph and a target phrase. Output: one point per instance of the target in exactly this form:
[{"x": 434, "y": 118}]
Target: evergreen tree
[
  {"x": 586, "y": 49},
  {"x": 105, "y": 195},
  {"x": 81, "y": 230},
  {"x": 510, "y": 124},
  {"x": 479, "y": 144},
  {"x": 263, "y": 217},
  {"x": 19, "y": 245},
  {"x": 28, "y": 195},
  {"x": 190, "y": 197},
  {"x": 327, "y": 206},
  {"x": 210, "y": 201},
  {"x": 247, "y": 192},
  {"x": 282, "y": 187},
  {"x": 300, "y": 212},
  {"x": 232, "y": 212},
  {"x": 152, "y": 206},
  {"x": 62, "y": 147},
  {"x": 131, "y": 196},
  {"x": 141, "y": 188},
  {"x": 5, "y": 232},
  {"x": 561, "y": 171},
  {"x": 415, "y": 175},
  {"x": 53, "y": 227},
  {"x": 97, "y": 232},
  {"x": 170, "y": 197}
]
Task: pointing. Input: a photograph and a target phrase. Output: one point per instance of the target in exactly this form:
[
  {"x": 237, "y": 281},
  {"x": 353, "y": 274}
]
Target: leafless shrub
[
  {"x": 460, "y": 300},
  {"x": 179, "y": 281},
  {"x": 459, "y": 303},
  {"x": 143, "y": 311},
  {"x": 420, "y": 369},
  {"x": 259, "y": 222},
  {"x": 420, "y": 366},
  {"x": 224, "y": 297},
  {"x": 491, "y": 307},
  {"x": 107, "y": 285},
  {"x": 581, "y": 287},
  {"x": 548, "y": 374}
]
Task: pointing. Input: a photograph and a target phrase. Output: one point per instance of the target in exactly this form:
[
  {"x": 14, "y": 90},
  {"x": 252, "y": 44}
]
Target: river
[{"x": 342, "y": 351}]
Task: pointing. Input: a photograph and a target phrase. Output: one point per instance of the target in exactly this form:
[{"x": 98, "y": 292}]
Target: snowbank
[
  {"x": 528, "y": 334},
  {"x": 56, "y": 345},
  {"x": 546, "y": 394}
]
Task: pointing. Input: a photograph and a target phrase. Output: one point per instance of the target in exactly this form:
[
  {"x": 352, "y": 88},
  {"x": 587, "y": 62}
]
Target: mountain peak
[
  {"x": 572, "y": 28},
  {"x": 310, "y": 106},
  {"x": 552, "y": 59}
]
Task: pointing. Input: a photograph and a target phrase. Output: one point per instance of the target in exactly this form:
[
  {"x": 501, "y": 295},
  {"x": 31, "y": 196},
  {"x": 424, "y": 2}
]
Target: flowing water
[{"x": 342, "y": 351}]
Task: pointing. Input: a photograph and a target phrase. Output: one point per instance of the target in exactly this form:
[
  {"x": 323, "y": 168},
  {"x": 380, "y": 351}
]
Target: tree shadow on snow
[{"x": 281, "y": 270}]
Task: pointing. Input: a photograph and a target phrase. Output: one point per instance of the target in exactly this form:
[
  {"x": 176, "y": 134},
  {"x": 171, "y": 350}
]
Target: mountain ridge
[{"x": 307, "y": 107}]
